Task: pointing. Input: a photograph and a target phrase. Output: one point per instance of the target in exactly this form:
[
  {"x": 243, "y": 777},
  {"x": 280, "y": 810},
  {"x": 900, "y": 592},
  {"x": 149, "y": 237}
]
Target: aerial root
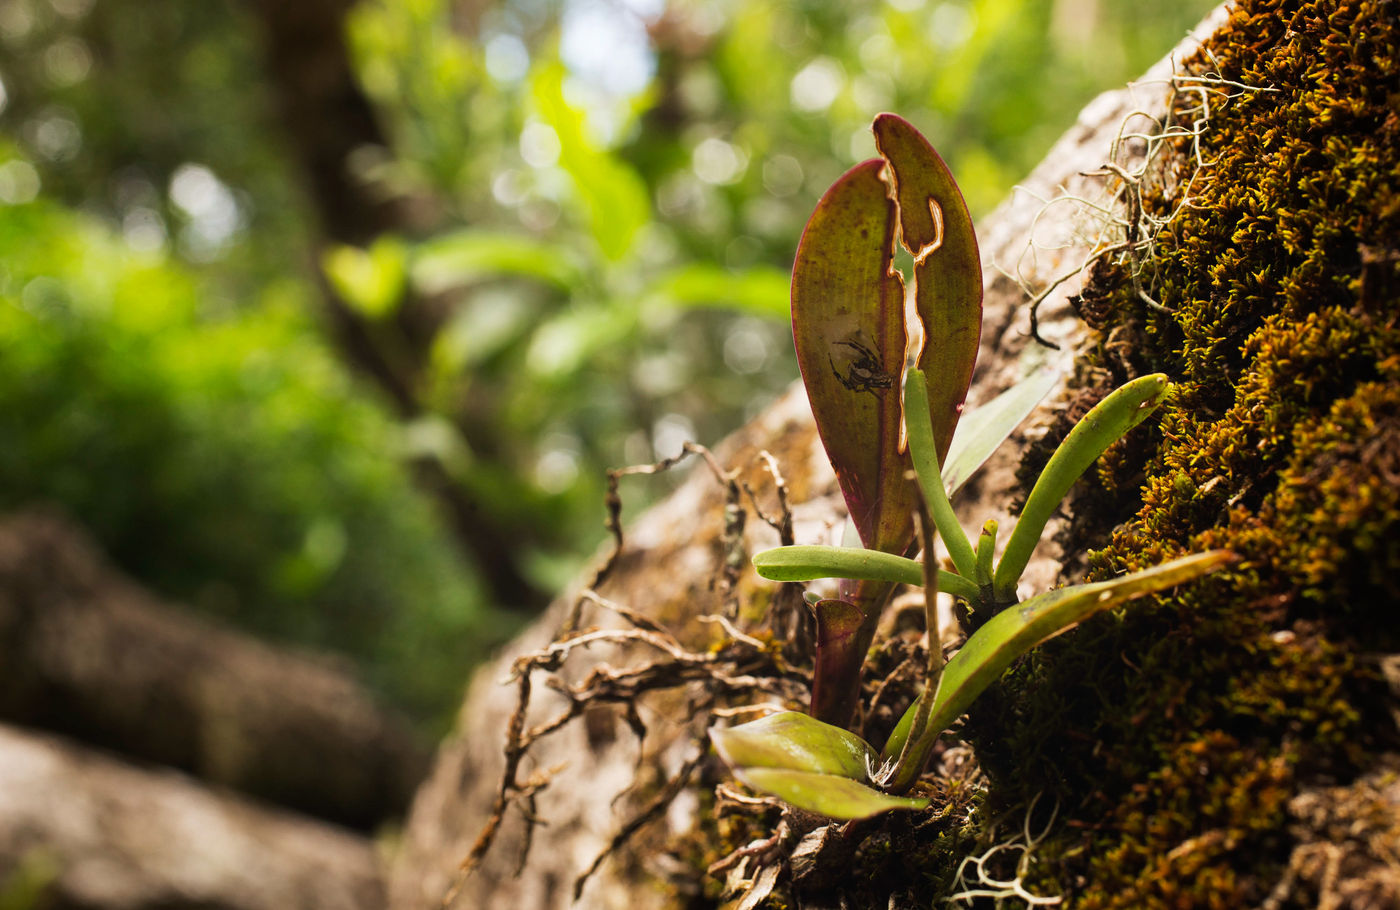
[
  {"x": 741, "y": 666},
  {"x": 1120, "y": 226},
  {"x": 986, "y": 885}
]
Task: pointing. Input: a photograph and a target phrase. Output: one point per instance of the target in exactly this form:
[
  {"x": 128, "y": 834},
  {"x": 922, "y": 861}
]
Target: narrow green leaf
[
  {"x": 1018, "y": 629},
  {"x": 848, "y": 325},
  {"x": 825, "y": 794},
  {"x": 805, "y": 563},
  {"x": 984, "y": 429},
  {"x": 936, "y": 228},
  {"x": 922, "y": 451},
  {"x": 795, "y": 742},
  {"x": 1105, "y": 424}
]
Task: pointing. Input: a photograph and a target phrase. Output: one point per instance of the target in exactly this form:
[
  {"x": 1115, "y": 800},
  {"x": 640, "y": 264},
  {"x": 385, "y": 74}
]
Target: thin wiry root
[
  {"x": 1119, "y": 226},
  {"x": 986, "y": 885},
  {"x": 741, "y": 667}
]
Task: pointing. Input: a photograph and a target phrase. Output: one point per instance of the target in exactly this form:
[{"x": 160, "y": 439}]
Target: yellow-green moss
[{"x": 1175, "y": 734}]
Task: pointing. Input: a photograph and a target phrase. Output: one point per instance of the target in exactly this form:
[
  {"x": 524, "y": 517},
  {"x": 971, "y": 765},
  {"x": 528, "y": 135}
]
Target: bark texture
[
  {"x": 671, "y": 560},
  {"x": 82, "y": 831},
  {"x": 88, "y": 654}
]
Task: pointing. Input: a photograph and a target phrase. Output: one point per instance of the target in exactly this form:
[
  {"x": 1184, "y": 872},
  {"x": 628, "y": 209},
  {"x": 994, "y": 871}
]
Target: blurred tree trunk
[
  {"x": 88, "y": 654},
  {"x": 82, "y": 831},
  {"x": 327, "y": 120}
]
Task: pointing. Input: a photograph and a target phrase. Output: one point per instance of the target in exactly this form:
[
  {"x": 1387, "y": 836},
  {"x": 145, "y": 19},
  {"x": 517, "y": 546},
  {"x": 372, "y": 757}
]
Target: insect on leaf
[{"x": 848, "y": 326}]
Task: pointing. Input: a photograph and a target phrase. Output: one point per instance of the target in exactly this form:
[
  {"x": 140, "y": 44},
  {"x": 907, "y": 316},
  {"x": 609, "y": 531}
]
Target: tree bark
[
  {"x": 82, "y": 831},
  {"x": 88, "y": 654},
  {"x": 671, "y": 557}
]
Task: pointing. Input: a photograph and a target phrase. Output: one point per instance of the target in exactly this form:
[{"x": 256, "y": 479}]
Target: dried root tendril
[
  {"x": 740, "y": 667},
  {"x": 1122, "y": 227}
]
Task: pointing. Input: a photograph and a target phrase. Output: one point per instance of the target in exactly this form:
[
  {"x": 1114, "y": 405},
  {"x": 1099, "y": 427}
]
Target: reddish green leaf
[
  {"x": 848, "y": 325},
  {"x": 936, "y": 229}
]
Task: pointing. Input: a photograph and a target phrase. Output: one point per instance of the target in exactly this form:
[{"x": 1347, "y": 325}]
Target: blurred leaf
[
  {"x": 987, "y": 427},
  {"x": 568, "y": 342},
  {"x": 463, "y": 257},
  {"x": 761, "y": 290},
  {"x": 371, "y": 280},
  {"x": 615, "y": 200}
]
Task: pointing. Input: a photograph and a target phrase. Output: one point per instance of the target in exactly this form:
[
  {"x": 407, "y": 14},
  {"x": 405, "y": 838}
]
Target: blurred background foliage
[{"x": 328, "y": 317}]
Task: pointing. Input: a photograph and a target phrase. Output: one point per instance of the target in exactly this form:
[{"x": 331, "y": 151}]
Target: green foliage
[{"x": 222, "y": 455}]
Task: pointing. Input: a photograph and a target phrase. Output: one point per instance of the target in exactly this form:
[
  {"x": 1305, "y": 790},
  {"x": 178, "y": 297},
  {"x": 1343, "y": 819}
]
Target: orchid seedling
[{"x": 889, "y": 433}]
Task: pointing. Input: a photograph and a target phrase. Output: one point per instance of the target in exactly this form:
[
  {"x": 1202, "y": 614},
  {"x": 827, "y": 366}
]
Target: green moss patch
[{"x": 1175, "y": 736}]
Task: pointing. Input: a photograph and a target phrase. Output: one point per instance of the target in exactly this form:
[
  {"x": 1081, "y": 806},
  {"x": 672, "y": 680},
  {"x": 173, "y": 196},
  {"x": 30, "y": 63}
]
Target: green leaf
[
  {"x": 922, "y": 451},
  {"x": 1105, "y": 424},
  {"x": 805, "y": 563},
  {"x": 812, "y": 765},
  {"x": 1018, "y": 629},
  {"x": 826, "y": 794},
  {"x": 796, "y": 742},
  {"x": 371, "y": 280},
  {"x": 761, "y": 290},
  {"x": 936, "y": 229},
  {"x": 984, "y": 429},
  {"x": 464, "y": 257},
  {"x": 615, "y": 200},
  {"x": 848, "y": 325}
]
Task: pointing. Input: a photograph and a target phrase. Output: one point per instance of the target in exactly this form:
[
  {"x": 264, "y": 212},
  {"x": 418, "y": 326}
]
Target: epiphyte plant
[{"x": 897, "y": 464}]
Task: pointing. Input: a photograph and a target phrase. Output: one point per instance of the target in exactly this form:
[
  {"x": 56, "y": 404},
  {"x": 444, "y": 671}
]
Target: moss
[{"x": 1176, "y": 735}]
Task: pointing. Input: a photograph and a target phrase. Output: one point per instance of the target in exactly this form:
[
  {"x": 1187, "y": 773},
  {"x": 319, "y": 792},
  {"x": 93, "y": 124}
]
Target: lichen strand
[{"x": 1178, "y": 736}]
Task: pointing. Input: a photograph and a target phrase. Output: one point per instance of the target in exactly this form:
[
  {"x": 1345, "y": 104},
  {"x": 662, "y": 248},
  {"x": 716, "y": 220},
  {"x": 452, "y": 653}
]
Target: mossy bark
[
  {"x": 1230, "y": 744},
  {"x": 1187, "y": 742}
]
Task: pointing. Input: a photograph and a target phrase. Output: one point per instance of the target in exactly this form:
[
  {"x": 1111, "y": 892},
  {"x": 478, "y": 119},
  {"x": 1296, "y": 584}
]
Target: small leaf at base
[{"x": 825, "y": 794}]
